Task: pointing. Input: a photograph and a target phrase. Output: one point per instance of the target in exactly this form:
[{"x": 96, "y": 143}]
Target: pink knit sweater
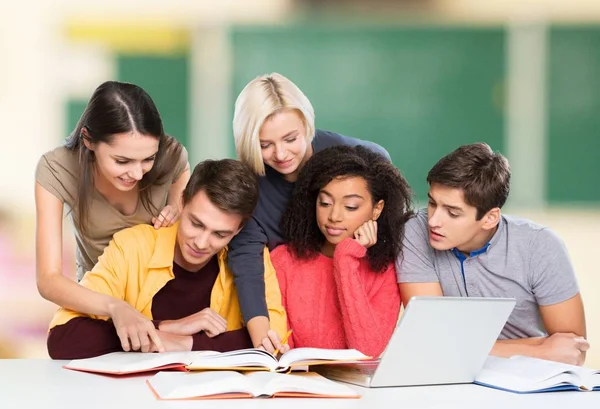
[{"x": 339, "y": 302}]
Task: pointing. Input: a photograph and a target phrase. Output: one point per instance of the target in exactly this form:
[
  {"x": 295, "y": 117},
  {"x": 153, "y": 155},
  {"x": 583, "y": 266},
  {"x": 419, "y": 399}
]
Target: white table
[{"x": 43, "y": 383}]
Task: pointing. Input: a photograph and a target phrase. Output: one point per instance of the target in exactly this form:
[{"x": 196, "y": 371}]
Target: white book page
[
  {"x": 540, "y": 368},
  {"x": 525, "y": 374},
  {"x": 301, "y": 355},
  {"x": 593, "y": 380},
  {"x": 239, "y": 358},
  {"x": 186, "y": 385},
  {"x": 271, "y": 383},
  {"x": 117, "y": 362},
  {"x": 519, "y": 384}
]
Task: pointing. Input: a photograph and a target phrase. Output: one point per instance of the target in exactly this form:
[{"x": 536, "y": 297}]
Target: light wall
[{"x": 41, "y": 69}]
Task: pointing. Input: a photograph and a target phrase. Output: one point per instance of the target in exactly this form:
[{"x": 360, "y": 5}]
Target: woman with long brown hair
[{"x": 117, "y": 169}]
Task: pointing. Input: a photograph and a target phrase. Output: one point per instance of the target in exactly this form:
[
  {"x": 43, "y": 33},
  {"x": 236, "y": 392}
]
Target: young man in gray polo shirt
[{"x": 462, "y": 245}]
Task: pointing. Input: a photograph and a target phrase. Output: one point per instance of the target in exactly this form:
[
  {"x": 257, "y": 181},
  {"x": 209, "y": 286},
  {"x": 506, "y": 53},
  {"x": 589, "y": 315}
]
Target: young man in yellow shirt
[{"x": 176, "y": 278}]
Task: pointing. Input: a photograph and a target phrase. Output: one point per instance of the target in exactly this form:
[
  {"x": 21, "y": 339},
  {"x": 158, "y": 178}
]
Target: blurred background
[{"x": 420, "y": 77}]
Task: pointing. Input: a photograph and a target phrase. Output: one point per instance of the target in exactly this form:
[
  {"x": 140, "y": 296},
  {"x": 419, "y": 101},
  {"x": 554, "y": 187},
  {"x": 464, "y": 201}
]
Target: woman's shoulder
[
  {"x": 284, "y": 256},
  {"x": 282, "y": 252},
  {"x": 181, "y": 159},
  {"x": 326, "y": 139},
  {"x": 62, "y": 156},
  {"x": 173, "y": 163},
  {"x": 58, "y": 171}
]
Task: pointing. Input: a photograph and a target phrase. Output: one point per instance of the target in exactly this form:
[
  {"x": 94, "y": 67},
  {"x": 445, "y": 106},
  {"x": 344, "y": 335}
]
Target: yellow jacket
[{"x": 138, "y": 262}]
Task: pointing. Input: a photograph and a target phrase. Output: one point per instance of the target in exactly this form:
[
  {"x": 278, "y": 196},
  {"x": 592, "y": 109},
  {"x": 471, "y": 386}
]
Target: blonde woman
[{"x": 274, "y": 131}]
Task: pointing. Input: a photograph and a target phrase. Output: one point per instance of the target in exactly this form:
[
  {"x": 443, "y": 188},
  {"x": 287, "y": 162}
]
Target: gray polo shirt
[{"x": 522, "y": 260}]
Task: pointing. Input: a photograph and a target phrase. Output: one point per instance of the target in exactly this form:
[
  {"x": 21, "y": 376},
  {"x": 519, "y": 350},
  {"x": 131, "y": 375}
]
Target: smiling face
[
  {"x": 453, "y": 223},
  {"x": 343, "y": 205},
  {"x": 203, "y": 231},
  {"x": 125, "y": 160},
  {"x": 283, "y": 143}
]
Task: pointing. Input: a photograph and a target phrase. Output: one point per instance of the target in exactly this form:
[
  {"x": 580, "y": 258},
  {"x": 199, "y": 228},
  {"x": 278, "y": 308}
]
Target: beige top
[{"x": 58, "y": 172}]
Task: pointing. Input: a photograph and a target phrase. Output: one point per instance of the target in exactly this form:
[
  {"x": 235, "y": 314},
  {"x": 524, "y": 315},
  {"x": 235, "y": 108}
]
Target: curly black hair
[{"x": 384, "y": 181}]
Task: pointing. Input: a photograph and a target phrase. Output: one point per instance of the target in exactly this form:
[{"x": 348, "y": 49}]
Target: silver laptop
[{"x": 439, "y": 340}]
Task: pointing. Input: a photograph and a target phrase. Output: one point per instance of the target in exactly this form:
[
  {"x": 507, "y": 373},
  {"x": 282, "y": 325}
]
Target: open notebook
[
  {"x": 522, "y": 374},
  {"x": 229, "y": 385},
  {"x": 124, "y": 363}
]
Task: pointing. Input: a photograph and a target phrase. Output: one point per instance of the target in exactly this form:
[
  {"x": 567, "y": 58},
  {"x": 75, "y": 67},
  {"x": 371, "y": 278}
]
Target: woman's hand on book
[
  {"x": 136, "y": 332},
  {"x": 272, "y": 342},
  {"x": 206, "y": 320}
]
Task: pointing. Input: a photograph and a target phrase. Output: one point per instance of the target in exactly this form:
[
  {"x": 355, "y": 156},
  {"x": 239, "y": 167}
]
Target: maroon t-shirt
[{"x": 188, "y": 293}]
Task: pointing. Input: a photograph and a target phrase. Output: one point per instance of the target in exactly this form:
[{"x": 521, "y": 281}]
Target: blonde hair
[{"x": 260, "y": 99}]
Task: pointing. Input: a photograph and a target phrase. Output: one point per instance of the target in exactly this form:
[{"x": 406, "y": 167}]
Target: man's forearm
[
  {"x": 83, "y": 337},
  {"x": 227, "y": 341},
  {"x": 526, "y": 346}
]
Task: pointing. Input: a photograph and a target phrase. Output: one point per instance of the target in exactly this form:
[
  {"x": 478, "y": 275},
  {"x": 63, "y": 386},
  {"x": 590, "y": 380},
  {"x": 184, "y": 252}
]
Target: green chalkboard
[
  {"x": 166, "y": 79},
  {"x": 74, "y": 109},
  {"x": 420, "y": 92},
  {"x": 573, "y": 162}
]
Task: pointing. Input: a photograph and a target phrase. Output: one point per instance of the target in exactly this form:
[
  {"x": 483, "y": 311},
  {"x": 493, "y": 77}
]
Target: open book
[
  {"x": 124, "y": 363},
  {"x": 521, "y": 374},
  {"x": 228, "y": 385},
  {"x": 358, "y": 373}
]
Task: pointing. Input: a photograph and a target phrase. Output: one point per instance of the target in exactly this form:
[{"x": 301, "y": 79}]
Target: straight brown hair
[{"x": 114, "y": 108}]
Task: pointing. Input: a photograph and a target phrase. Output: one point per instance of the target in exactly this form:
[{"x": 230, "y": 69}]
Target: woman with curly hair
[{"x": 344, "y": 225}]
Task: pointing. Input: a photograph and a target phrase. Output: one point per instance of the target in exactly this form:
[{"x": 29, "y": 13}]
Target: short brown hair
[
  {"x": 482, "y": 174},
  {"x": 229, "y": 184}
]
